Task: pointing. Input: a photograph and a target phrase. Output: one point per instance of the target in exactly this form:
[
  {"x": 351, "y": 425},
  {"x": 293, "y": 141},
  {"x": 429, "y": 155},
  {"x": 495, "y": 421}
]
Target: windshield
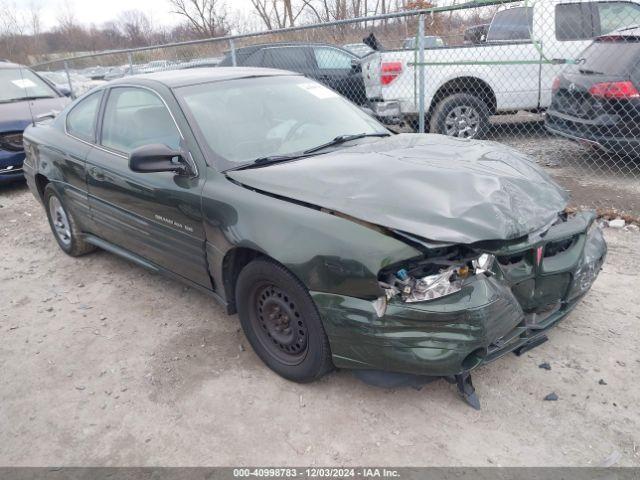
[
  {"x": 21, "y": 83},
  {"x": 243, "y": 120}
]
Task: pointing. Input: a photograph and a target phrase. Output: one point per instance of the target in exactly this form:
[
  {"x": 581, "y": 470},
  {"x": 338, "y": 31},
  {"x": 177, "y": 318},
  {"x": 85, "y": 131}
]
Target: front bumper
[
  {"x": 490, "y": 317},
  {"x": 11, "y": 166}
]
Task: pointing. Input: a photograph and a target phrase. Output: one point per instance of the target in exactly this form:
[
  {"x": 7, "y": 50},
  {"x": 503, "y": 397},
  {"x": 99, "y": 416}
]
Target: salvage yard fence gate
[{"x": 556, "y": 79}]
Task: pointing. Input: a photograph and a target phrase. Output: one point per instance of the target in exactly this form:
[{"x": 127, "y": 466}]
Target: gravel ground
[{"x": 104, "y": 363}]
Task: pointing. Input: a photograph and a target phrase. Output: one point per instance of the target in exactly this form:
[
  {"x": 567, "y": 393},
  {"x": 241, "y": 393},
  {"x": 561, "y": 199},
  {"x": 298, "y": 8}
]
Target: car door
[
  {"x": 295, "y": 58},
  {"x": 517, "y": 80},
  {"x": 156, "y": 216},
  {"x": 69, "y": 156},
  {"x": 339, "y": 70}
]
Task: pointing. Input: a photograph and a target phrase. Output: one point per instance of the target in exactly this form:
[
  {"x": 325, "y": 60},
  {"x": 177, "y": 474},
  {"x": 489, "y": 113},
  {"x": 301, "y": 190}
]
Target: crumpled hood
[{"x": 436, "y": 187}]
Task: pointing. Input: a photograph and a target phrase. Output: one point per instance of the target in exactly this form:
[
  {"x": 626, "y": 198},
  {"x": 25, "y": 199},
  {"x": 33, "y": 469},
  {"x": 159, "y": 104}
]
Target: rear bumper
[
  {"x": 604, "y": 133},
  {"x": 386, "y": 112},
  {"x": 483, "y": 322}
]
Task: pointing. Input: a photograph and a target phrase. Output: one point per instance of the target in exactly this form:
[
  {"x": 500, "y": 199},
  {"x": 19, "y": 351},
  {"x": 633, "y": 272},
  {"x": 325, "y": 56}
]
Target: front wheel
[
  {"x": 281, "y": 322},
  {"x": 461, "y": 115}
]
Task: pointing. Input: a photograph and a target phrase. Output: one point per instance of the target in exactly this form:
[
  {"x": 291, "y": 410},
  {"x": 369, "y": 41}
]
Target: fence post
[
  {"x": 66, "y": 69},
  {"x": 130, "y": 58},
  {"x": 421, "y": 73},
  {"x": 232, "y": 47}
]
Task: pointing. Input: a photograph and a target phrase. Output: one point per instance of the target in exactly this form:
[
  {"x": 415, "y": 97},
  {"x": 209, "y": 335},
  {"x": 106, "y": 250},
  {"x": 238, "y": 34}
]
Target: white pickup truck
[{"x": 526, "y": 45}]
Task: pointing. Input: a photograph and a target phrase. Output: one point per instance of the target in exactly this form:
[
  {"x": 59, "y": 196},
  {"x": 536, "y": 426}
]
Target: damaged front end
[
  {"x": 460, "y": 306},
  {"x": 441, "y": 274}
]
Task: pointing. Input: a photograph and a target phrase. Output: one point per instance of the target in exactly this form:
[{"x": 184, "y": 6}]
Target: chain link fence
[{"x": 557, "y": 79}]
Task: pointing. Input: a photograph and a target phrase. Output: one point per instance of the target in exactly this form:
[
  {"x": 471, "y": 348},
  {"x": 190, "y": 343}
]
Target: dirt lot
[{"x": 103, "y": 363}]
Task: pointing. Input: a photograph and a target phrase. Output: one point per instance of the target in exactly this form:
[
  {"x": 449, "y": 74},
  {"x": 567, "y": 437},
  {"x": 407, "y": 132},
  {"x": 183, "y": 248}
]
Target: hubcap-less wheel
[
  {"x": 462, "y": 122},
  {"x": 279, "y": 325},
  {"x": 61, "y": 226}
]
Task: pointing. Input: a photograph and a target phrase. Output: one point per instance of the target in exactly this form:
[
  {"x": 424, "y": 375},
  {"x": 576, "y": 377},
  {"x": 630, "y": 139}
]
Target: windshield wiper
[
  {"x": 271, "y": 159},
  {"x": 345, "y": 138},
  {"x": 23, "y": 99}
]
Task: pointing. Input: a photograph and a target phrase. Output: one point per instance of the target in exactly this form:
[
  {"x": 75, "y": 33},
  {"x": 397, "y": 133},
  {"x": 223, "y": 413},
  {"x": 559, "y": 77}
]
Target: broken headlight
[
  {"x": 430, "y": 281},
  {"x": 435, "y": 286}
]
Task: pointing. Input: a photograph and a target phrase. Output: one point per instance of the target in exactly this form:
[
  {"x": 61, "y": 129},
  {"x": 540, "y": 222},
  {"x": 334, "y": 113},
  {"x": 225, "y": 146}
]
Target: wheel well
[
  {"x": 232, "y": 264},
  {"x": 470, "y": 85},
  {"x": 41, "y": 183}
]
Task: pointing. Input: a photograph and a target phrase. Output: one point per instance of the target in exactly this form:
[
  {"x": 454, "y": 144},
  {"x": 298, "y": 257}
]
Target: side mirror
[{"x": 157, "y": 157}]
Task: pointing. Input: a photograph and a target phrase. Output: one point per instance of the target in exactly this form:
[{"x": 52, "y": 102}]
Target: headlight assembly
[
  {"x": 483, "y": 263},
  {"x": 444, "y": 277}
]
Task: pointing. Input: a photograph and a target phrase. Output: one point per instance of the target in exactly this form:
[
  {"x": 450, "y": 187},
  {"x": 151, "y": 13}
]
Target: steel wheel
[
  {"x": 281, "y": 321},
  {"x": 60, "y": 221},
  {"x": 280, "y": 327},
  {"x": 462, "y": 122}
]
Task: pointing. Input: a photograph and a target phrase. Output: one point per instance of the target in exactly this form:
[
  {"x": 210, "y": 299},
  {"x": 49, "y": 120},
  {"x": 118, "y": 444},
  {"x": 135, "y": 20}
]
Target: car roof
[
  {"x": 250, "y": 48},
  {"x": 184, "y": 77}
]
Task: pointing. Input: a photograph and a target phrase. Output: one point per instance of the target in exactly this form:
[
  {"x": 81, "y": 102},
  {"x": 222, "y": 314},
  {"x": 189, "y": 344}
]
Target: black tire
[
  {"x": 472, "y": 112},
  {"x": 281, "y": 322},
  {"x": 63, "y": 225}
]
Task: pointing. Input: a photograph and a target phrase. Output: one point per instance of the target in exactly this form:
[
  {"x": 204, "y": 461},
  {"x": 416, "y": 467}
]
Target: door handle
[{"x": 96, "y": 173}]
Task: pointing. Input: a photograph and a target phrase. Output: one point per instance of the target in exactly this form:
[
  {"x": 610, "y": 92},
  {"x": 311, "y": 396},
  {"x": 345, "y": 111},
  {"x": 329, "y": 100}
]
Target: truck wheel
[
  {"x": 281, "y": 322},
  {"x": 64, "y": 226},
  {"x": 461, "y": 115}
]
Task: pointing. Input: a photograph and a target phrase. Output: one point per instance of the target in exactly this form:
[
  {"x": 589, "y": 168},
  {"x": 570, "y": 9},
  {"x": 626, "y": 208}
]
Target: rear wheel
[
  {"x": 64, "y": 226},
  {"x": 281, "y": 322},
  {"x": 461, "y": 115}
]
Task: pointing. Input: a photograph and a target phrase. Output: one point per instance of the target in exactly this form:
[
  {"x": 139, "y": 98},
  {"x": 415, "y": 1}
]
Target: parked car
[
  {"x": 338, "y": 243},
  {"x": 476, "y": 35},
  {"x": 460, "y": 95},
  {"x": 429, "y": 41},
  {"x": 156, "y": 66},
  {"x": 79, "y": 83},
  {"x": 597, "y": 101},
  {"x": 95, "y": 73},
  {"x": 120, "y": 71},
  {"x": 201, "y": 62},
  {"x": 333, "y": 66},
  {"x": 359, "y": 49},
  {"x": 23, "y": 96}
]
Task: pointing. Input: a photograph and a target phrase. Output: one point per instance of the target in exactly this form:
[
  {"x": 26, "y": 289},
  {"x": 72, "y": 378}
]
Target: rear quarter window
[
  {"x": 587, "y": 20},
  {"x": 511, "y": 25},
  {"x": 81, "y": 119}
]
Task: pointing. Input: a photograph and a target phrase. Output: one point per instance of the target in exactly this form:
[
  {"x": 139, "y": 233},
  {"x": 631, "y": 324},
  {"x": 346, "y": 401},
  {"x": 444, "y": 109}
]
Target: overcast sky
[{"x": 100, "y": 11}]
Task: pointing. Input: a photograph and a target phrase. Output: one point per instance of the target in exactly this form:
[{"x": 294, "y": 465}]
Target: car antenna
[{"x": 33, "y": 120}]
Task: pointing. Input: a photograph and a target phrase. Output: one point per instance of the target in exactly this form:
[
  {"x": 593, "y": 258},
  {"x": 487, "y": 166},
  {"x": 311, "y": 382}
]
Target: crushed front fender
[{"x": 538, "y": 284}]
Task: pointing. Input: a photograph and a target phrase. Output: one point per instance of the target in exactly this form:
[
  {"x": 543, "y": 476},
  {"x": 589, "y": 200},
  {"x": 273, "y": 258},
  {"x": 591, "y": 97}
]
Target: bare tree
[
  {"x": 136, "y": 27},
  {"x": 12, "y": 30},
  {"x": 278, "y": 13},
  {"x": 208, "y": 18}
]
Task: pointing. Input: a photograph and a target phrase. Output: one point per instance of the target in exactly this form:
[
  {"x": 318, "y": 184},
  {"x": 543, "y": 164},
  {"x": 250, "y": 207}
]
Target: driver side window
[{"x": 135, "y": 117}]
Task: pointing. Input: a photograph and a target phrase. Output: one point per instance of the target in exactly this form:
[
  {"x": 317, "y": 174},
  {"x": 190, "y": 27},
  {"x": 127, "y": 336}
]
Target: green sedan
[{"x": 337, "y": 242}]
